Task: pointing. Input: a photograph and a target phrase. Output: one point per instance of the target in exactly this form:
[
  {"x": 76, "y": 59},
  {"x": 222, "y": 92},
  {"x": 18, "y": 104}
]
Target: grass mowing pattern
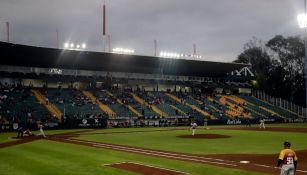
[
  {"x": 53, "y": 158},
  {"x": 249, "y": 142},
  {"x": 6, "y": 137}
]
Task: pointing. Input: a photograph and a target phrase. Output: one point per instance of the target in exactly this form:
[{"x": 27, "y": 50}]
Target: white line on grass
[
  {"x": 166, "y": 154},
  {"x": 159, "y": 167},
  {"x": 155, "y": 153}
]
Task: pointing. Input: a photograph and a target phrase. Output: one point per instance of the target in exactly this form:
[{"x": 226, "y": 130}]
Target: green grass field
[
  {"x": 240, "y": 141},
  {"x": 47, "y": 157},
  {"x": 50, "y": 157}
]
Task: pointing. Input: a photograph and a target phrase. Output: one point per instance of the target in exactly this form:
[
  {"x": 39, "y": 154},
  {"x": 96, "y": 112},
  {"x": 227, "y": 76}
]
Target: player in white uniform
[
  {"x": 261, "y": 125},
  {"x": 193, "y": 128},
  {"x": 40, "y": 127}
]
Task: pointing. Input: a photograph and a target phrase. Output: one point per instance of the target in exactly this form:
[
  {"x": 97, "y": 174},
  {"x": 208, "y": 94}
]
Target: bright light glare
[
  {"x": 170, "y": 55},
  {"x": 177, "y": 56},
  {"x": 123, "y": 51},
  {"x": 72, "y": 46},
  {"x": 66, "y": 45},
  {"x": 302, "y": 20}
]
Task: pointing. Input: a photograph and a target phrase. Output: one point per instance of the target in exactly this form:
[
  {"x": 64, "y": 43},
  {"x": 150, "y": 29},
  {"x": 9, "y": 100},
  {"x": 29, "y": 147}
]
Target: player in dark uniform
[
  {"x": 287, "y": 160},
  {"x": 20, "y": 129}
]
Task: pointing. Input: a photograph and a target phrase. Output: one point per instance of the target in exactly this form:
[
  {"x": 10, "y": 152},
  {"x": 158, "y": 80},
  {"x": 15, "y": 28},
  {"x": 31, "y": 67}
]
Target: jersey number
[{"x": 289, "y": 160}]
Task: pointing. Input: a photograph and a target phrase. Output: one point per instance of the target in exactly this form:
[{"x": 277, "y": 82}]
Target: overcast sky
[{"x": 219, "y": 28}]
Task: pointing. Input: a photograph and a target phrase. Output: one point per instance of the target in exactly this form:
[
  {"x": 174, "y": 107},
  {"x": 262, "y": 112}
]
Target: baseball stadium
[
  {"x": 70, "y": 111},
  {"x": 108, "y": 113}
]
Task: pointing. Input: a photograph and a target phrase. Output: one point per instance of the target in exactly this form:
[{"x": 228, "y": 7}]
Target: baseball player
[
  {"x": 287, "y": 160},
  {"x": 261, "y": 124},
  {"x": 193, "y": 128},
  {"x": 40, "y": 127}
]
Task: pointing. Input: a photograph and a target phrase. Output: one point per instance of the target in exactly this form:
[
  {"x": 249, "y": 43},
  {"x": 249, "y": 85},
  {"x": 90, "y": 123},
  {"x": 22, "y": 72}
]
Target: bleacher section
[
  {"x": 271, "y": 109},
  {"x": 161, "y": 102},
  {"x": 233, "y": 109},
  {"x": 120, "y": 110},
  {"x": 25, "y": 103},
  {"x": 246, "y": 106},
  {"x": 127, "y": 99},
  {"x": 51, "y": 107},
  {"x": 72, "y": 103},
  {"x": 214, "y": 108},
  {"x": 189, "y": 109},
  {"x": 146, "y": 109},
  {"x": 19, "y": 103},
  {"x": 104, "y": 107},
  {"x": 122, "y": 102}
]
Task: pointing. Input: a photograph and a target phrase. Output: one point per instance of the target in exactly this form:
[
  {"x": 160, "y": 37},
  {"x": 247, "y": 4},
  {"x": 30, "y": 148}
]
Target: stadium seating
[
  {"x": 280, "y": 111},
  {"x": 178, "y": 100},
  {"x": 120, "y": 110},
  {"x": 72, "y": 102},
  {"x": 20, "y": 103},
  {"x": 247, "y": 107}
]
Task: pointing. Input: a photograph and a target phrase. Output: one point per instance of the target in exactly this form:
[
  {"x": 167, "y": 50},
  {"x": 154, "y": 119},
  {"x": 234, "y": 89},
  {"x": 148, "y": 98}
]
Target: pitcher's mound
[{"x": 204, "y": 136}]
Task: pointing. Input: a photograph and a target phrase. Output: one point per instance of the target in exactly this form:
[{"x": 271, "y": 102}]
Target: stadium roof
[{"x": 30, "y": 56}]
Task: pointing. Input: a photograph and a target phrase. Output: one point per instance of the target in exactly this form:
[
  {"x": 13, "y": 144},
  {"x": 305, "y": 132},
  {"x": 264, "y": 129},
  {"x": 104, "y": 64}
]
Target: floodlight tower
[
  {"x": 104, "y": 26},
  {"x": 302, "y": 21},
  {"x": 7, "y": 31}
]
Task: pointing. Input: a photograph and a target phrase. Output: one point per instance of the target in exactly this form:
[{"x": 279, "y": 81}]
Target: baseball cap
[{"x": 286, "y": 143}]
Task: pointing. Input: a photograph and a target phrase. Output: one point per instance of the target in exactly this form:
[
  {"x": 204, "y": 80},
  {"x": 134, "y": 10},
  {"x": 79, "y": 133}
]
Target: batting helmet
[{"x": 286, "y": 143}]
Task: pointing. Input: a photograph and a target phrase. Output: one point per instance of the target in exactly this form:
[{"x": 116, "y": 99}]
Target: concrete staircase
[
  {"x": 153, "y": 107},
  {"x": 51, "y": 107},
  {"x": 129, "y": 106},
  {"x": 105, "y": 108},
  {"x": 204, "y": 113},
  {"x": 180, "y": 111},
  {"x": 233, "y": 111},
  {"x": 261, "y": 107}
]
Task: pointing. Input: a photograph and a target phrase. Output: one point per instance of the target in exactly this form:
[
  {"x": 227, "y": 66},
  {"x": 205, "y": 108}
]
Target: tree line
[{"x": 278, "y": 65}]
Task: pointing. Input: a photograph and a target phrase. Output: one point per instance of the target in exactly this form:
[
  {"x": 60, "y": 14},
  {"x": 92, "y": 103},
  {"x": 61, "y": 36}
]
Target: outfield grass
[
  {"x": 249, "y": 142},
  {"x": 289, "y": 125},
  {"x": 6, "y": 136},
  {"x": 53, "y": 158}
]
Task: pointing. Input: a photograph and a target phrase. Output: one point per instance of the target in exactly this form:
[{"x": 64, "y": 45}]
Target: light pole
[{"x": 302, "y": 22}]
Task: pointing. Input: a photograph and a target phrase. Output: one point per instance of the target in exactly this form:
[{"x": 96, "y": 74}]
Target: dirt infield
[
  {"x": 144, "y": 169},
  {"x": 265, "y": 159},
  {"x": 204, "y": 136}
]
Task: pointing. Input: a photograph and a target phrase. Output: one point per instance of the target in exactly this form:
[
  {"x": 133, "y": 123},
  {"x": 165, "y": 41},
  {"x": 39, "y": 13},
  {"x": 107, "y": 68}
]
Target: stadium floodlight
[
  {"x": 179, "y": 56},
  {"x": 170, "y": 55},
  {"x": 66, "y": 45},
  {"x": 122, "y": 50},
  {"x": 72, "y": 46},
  {"x": 302, "y": 20}
]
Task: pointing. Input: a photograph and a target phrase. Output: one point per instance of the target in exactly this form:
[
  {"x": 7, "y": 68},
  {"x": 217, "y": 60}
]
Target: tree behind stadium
[{"x": 278, "y": 65}]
